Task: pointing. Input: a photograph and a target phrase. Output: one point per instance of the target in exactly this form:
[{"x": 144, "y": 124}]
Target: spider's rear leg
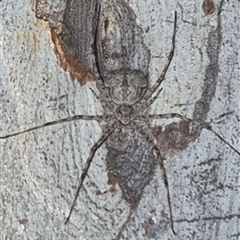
[
  {"x": 151, "y": 139},
  {"x": 124, "y": 224},
  {"x": 94, "y": 148},
  {"x": 165, "y": 180}
]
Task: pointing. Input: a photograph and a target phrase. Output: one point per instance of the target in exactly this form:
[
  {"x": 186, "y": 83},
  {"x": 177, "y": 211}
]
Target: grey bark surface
[{"x": 39, "y": 171}]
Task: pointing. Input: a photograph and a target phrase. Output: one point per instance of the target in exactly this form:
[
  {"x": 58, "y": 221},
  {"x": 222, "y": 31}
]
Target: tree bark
[{"x": 40, "y": 169}]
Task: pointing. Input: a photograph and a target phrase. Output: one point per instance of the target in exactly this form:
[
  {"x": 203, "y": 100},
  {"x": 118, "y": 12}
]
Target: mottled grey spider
[{"x": 127, "y": 95}]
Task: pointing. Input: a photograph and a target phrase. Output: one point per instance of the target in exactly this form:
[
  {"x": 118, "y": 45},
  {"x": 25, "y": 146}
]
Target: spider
[{"x": 127, "y": 96}]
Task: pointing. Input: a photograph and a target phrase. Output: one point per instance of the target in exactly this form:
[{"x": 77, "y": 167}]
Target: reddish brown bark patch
[
  {"x": 70, "y": 64},
  {"x": 72, "y": 25},
  {"x": 176, "y": 137},
  {"x": 208, "y": 7},
  {"x": 145, "y": 225},
  {"x": 23, "y": 221}
]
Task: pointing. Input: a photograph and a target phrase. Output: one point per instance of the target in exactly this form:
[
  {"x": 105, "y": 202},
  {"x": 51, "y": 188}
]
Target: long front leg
[
  {"x": 151, "y": 91},
  {"x": 94, "y": 148}
]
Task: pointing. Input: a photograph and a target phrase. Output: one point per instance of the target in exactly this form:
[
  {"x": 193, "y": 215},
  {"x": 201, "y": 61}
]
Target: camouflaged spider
[{"x": 128, "y": 96}]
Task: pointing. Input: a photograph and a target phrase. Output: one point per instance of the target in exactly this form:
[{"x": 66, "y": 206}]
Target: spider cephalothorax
[
  {"x": 126, "y": 86},
  {"x": 125, "y": 114}
]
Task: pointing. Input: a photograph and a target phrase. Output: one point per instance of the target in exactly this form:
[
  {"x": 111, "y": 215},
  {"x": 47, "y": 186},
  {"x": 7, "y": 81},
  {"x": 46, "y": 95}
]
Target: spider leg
[
  {"x": 151, "y": 139},
  {"x": 222, "y": 139},
  {"x": 149, "y": 101},
  {"x": 99, "y": 60},
  {"x": 124, "y": 224},
  {"x": 150, "y": 92},
  {"x": 171, "y": 115},
  {"x": 97, "y": 47},
  {"x": 94, "y": 148},
  {"x": 68, "y": 119},
  {"x": 165, "y": 180},
  {"x": 202, "y": 125}
]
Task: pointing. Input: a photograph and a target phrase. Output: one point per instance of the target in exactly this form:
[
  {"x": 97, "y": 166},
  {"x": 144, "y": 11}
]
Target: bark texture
[{"x": 39, "y": 171}]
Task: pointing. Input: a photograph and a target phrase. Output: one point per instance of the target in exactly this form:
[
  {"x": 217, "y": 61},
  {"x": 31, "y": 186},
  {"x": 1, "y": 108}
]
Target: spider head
[
  {"x": 126, "y": 87},
  {"x": 125, "y": 114}
]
